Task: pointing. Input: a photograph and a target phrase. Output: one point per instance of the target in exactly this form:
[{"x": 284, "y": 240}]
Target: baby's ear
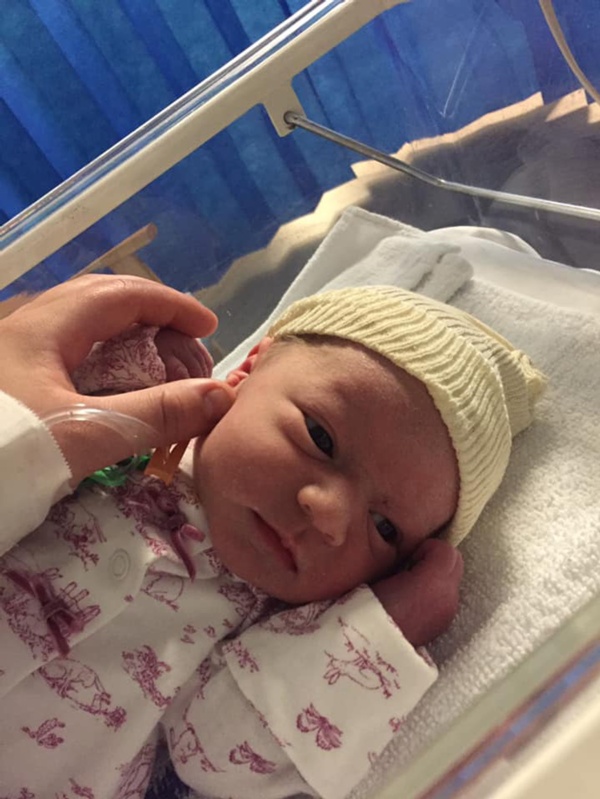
[{"x": 237, "y": 376}]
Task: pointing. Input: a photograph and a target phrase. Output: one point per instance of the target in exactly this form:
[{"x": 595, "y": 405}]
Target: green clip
[{"x": 117, "y": 475}]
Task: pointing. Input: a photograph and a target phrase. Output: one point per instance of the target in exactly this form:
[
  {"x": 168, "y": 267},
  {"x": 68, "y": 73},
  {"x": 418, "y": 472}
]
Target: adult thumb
[
  {"x": 172, "y": 412},
  {"x": 176, "y": 411}
]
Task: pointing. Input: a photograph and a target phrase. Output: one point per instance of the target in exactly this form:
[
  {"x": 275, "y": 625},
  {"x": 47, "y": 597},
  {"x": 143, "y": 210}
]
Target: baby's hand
[
  {"x": 183, "y": 356},
  {"x": 423, "y": 601}
]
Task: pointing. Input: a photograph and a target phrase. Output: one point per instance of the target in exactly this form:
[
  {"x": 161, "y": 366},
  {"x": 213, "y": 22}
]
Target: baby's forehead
[
  {"x": 348, "y": 353},
  {"x": 345, "y": 368}
]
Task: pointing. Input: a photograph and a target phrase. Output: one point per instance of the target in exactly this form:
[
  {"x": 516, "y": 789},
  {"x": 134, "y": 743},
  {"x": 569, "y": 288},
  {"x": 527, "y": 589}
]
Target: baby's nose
[{"x": 329, "y": 508}]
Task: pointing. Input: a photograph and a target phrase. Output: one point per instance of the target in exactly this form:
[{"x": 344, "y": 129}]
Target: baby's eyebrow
[{"x": 331, "y": 407}]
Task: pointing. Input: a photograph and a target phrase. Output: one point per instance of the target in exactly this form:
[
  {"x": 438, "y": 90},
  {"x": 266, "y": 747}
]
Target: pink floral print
[
  {"x": 82, "y": 688},
  {"x": 165, "y": 588},
  {"x": 244, "y": 754},
  {"x": 327, "y": 735},
  {"x": 135, "y": 775},
  {"x": 45, "y": 734},
  {"x": 144, "y": 667},
  {"x": 41, "y": 614},
  {"x": 243, "y": 656},
  {"x": 362, "y": 666},
  {"x": 185, "y": 746},
  {"x": 125, "y": 363},
  {"x": 302, "y": 620},
  {"x": 78, "y": 528}
]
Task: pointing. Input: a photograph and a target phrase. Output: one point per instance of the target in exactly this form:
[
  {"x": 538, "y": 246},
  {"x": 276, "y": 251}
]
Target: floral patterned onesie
[{"x": 122, "y": 632}]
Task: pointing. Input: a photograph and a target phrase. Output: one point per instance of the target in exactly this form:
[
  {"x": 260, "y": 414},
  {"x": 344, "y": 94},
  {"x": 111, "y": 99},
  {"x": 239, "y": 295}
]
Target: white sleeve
[
  {"x": 33, "y": 471},
  {"x": 309, "y": 698}
]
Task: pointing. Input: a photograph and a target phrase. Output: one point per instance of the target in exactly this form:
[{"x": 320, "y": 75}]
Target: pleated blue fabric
[{"x": 76, "y": 76}]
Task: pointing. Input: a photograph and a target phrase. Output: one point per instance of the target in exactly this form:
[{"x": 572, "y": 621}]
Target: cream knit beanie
[{"x": 483, "y": 388}]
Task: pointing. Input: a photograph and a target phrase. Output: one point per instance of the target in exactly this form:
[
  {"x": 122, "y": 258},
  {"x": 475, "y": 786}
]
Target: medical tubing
[
  {"x": 557, "y": 32},
  {"x": 137, "y": 433}
]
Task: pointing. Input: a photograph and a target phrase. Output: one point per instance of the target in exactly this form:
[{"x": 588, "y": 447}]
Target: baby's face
[{"x": 327, "y": 472}]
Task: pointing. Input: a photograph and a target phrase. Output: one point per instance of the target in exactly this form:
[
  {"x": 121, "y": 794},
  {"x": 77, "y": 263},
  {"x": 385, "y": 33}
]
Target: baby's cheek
[{"x": 215, "y": 454}]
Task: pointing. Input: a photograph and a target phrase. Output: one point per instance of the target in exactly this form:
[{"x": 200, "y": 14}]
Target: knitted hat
[{"x": 483, "y": 388}]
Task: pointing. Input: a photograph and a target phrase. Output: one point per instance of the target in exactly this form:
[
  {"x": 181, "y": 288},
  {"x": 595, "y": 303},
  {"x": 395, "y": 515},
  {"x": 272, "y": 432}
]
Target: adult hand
[
  {"x": 44, "y": 341},
  {"x": 423, "y": 600}
]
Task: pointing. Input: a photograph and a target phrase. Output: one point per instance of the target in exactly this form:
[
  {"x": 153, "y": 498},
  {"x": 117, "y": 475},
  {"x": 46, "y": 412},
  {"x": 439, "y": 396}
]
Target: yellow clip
[{"x": 165, "y": 461}]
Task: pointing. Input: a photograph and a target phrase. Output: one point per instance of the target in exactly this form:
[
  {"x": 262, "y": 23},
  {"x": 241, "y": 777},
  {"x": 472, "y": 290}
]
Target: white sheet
[{"x": 534, "y": 556}]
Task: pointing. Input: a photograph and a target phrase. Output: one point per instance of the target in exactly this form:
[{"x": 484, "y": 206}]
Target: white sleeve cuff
[
  {"x": 34, "y": 472},
  {"x": 332, "y": 690}
]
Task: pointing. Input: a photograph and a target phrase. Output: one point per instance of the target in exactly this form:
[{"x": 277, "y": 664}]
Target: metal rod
[{"x": 580, "y": 211}]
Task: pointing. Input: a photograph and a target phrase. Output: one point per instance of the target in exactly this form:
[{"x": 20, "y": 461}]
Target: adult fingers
[{"x": 92, "y": 308}]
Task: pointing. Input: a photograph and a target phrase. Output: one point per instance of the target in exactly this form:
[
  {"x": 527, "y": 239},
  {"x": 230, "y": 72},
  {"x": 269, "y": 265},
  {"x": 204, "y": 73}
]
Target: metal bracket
[{"x": 568, "y": 209}]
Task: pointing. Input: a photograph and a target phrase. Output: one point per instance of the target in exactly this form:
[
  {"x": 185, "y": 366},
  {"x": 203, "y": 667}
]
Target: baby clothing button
[{"x": 119, "y": 564}]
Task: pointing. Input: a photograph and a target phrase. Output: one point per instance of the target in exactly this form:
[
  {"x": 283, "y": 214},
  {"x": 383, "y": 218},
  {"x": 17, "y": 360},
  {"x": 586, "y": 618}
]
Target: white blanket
[{"x": 534, "y": 556}]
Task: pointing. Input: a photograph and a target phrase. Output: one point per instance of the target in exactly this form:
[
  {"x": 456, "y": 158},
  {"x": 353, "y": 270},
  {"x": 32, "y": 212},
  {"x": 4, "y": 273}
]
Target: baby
[{"x": 251, "y": 619}]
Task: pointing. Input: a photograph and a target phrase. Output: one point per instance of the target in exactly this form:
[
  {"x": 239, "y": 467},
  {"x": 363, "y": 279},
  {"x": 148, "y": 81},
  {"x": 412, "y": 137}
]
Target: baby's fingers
[
  {"x": 439, "y": 559},
  {"x": 196, "y": 359},
  {"x": 182, "y": 355},
  {"x": 436, "y": 575},
  {"x": 423, "y": 600}
]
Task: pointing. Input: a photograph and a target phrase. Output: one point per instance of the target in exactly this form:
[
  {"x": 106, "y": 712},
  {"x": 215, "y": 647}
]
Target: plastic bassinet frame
[{"x": 262, "y": 74}]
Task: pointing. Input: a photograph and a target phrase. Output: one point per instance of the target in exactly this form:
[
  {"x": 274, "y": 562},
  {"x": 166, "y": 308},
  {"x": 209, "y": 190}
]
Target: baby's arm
[
  {"x": 304, "y": 698},
  {"x": 141, "y": 357}
]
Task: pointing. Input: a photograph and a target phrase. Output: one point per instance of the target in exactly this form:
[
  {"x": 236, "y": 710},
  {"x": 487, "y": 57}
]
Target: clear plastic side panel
[
  {"x": 475, "y": 92},
  {"x": 478, "y": 95}
]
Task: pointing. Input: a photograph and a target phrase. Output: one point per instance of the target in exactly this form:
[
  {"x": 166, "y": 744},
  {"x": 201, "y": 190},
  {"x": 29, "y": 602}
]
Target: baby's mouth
[{"x": 273, "y": 543}]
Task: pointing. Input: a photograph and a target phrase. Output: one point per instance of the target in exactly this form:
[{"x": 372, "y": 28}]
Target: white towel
[
  {"x": 367, "y": 249},
  {"x": 534, "y": 556}
]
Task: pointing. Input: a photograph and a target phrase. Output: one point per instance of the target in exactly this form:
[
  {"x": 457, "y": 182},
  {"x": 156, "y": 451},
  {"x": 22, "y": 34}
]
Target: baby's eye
[
  {"x": 320, "y": 436},
  {"x": 385, "y": 528}
]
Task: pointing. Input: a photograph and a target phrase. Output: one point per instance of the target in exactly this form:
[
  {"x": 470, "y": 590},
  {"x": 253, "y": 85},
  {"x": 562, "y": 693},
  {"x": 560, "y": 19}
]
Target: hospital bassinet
[{"x": 221, "y": 195}]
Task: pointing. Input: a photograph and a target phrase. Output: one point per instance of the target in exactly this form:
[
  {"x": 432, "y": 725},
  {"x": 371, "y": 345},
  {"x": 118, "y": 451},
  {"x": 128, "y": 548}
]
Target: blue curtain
[{"x": 78, "y": 75}]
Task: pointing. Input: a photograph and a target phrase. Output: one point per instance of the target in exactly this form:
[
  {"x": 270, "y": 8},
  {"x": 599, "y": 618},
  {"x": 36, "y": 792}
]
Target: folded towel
[
  {"x": 534, "y": 556},
  {"x": 367, "y": 249}
]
